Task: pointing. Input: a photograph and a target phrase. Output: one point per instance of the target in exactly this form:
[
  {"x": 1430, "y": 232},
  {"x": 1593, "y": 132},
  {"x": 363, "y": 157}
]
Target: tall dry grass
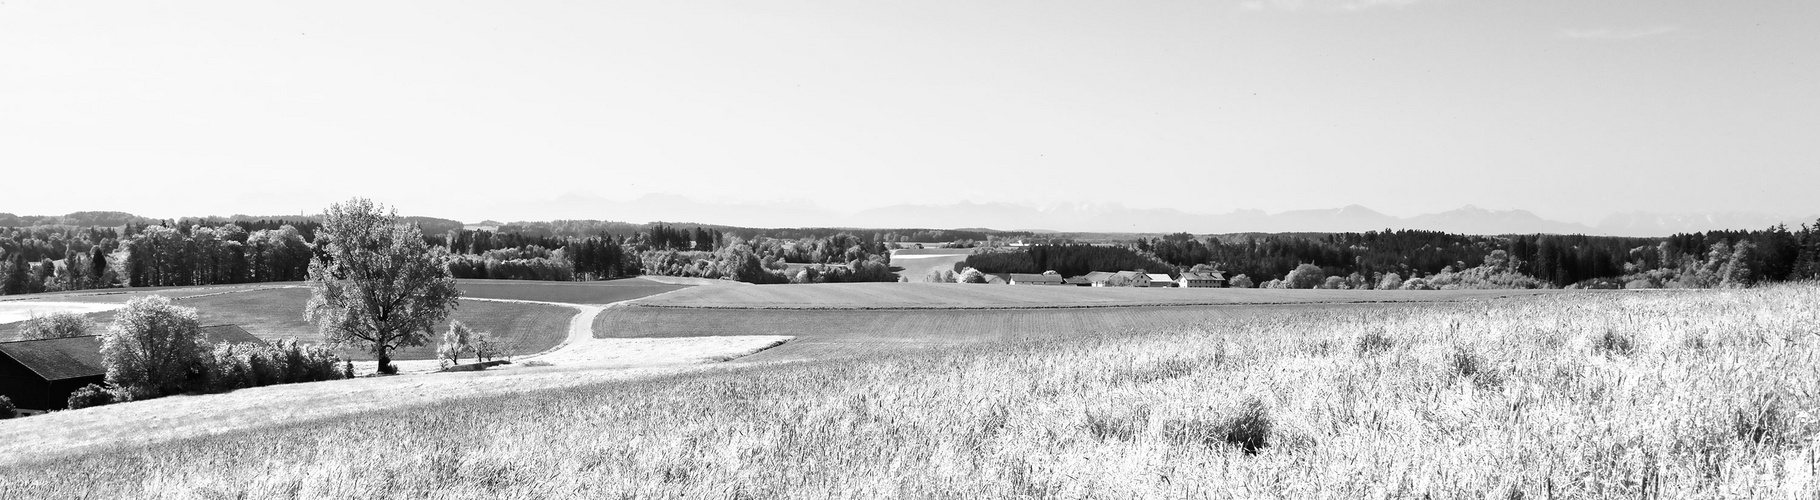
[{"x": 1706, "y": 394}]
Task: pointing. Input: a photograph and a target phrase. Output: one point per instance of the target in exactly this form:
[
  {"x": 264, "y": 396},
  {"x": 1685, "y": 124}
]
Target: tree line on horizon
[
  {"x": 204, "y": 251},
  {"x": 1415, "y": 258}
]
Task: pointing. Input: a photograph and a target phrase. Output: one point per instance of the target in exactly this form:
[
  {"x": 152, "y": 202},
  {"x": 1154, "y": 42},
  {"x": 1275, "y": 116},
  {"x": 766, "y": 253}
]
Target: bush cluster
[
  {"x": 238, "y": 366},
  {"x": 90, "y": 395}
]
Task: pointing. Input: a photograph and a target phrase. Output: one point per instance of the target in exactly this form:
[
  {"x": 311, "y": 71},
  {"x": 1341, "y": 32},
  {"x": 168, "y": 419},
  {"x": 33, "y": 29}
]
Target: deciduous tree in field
[
  {"x": 1240, "y": 281},
  {"x": 1390, "y": 281},
  {"x": 456, "y": 340},
  {"x": 151, "y": 348},
  {"x": 1305, "y": 276},
  {"x": 56, "y": 326},
  {"x": 375, "y": 283}
]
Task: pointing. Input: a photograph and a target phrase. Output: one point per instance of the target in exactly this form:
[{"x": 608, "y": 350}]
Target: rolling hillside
[{"x": 273, "y": 311}]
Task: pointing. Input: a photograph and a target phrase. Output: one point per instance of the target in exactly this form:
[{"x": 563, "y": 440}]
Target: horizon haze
[{"x": 823, "y": 111}]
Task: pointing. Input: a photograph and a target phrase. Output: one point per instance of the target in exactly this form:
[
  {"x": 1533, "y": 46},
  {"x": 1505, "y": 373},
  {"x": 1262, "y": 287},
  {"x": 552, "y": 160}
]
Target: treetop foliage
[{"x": 375, "y": 283}]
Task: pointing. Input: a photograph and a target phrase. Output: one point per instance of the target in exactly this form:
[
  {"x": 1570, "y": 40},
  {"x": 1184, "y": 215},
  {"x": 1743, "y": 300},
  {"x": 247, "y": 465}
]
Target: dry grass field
[
  {"x": 973, "y": 296},
  {"x": 1696, "y": 394}
]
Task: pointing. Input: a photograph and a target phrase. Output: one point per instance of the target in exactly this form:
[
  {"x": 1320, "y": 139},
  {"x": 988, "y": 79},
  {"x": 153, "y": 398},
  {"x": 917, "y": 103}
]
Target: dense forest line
[
  {"x": 1416, "y": 258},
  {"x": 143, "y": 252}
]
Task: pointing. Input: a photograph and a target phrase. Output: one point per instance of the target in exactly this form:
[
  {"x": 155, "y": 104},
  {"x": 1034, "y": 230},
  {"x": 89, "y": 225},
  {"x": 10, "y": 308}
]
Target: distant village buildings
[
  {"x": 1137, "y": 279},
  {"x": 1201, "y": 280}
]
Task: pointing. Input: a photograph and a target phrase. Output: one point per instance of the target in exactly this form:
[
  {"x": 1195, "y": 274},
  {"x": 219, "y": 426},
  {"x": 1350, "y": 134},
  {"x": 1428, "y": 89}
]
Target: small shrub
[
  {"x": 1614, "y": 343},
  {"x": 7, "y": 410},
  {"x": 89, "y": 396},
  {"x": 1466, "y": 363},
  {"x": 1247, "y": 427},
  {"x": 1373, "y": 342},
  {"x": 484, "y": 346}
]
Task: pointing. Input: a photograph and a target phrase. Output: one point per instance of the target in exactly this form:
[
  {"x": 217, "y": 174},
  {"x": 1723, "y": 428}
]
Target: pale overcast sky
[{"x": 1568, "y": 108}]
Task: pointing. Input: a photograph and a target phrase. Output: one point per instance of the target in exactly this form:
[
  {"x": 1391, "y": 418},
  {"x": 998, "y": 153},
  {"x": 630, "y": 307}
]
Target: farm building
[
  {"x": 41, "y": 374},
  {"x": 1097, "y": 278},
  {"x": 1035, "y": 279},
  {"x": 1160, "y": 280},
  {"x": 1201, "y": 280},
  {"x": 1129, "y": 278},
  {"x": 1079, "y": 281}
]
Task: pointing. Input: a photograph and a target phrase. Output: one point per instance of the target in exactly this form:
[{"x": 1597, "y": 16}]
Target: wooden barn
[{"x": 41, "y": 374}]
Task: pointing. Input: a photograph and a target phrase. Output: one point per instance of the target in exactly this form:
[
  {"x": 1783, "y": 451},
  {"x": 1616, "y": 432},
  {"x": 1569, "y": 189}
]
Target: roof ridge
[{"x": 41, "y": 340}]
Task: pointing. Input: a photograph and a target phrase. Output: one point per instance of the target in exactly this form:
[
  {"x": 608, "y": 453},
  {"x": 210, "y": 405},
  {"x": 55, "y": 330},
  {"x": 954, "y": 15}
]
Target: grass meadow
[
  {"x": 273, "y": 312},
  {"x": 946, "y": 296},
  {"x": 1697, "y": 394}
]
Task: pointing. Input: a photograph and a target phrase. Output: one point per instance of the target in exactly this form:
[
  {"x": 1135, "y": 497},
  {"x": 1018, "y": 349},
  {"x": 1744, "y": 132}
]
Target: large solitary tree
[{"x": 375, "y": 284}]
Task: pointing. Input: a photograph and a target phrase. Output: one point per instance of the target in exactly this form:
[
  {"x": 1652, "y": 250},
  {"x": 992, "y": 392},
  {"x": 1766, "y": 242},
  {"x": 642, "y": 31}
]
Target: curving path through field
[
  {"x": 580, "y": 360},
  {"x": 580, "y": 348}
]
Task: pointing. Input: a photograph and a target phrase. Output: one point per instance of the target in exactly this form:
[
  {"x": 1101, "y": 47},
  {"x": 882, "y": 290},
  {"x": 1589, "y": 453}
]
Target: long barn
[{"x": 41, "y": 374}]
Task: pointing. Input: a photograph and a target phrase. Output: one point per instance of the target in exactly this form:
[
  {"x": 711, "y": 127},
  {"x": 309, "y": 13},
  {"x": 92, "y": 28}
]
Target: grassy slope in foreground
[
  {"x": 972, "y": 296},
  {"x": 1683, "y": 395}
]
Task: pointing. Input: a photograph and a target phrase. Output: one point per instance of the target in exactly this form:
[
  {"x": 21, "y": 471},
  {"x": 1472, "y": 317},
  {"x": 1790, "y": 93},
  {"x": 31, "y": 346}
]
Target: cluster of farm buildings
[
  {"x": 39, "y": 375},
  {"x": 1137, "y": 279}
]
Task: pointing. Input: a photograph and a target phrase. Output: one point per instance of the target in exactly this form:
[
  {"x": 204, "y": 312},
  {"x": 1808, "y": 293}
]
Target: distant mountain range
[
  {"x": 1101, "y": 218},
  {"x": 1351, "y": 218}
]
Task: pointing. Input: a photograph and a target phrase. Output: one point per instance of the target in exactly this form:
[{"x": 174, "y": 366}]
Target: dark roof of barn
[
  {"x": 58, "y": 359},
  {"x": 1035, "y": 278},
  {"x": 1214, "y": 276},
  {"x": 229, "y": 333}
]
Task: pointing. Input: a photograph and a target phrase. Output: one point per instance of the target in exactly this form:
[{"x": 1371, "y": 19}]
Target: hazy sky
[{"x": 471, "y": 110}]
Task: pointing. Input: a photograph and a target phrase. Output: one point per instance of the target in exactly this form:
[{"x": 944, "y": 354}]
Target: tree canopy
[{"x": 375, "y": 283}]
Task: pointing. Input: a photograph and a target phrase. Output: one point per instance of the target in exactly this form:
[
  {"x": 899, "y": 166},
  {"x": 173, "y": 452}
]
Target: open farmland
[
  {"x": 974, "y": 296},
  {"x": 830, "y": 334},
  {"x": 914, "y": 264},
  {"x": 276, "y": 311},
  {"x": 870, "y": 319},
  {"x": 1702, "y": 394},
  {"x": 570, "y": 292}
]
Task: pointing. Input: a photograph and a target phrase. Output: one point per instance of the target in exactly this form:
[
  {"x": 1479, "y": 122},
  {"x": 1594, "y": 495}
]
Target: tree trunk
[{"x": 385, "y": 362}]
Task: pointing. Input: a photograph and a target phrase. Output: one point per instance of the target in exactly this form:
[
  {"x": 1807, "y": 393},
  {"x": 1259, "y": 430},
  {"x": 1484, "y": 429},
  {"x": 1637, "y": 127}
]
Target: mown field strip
[
  {"x": 972, "y": 296},
  {"x": 587, "y": 292},
  {"x": 836, "y": 333}
]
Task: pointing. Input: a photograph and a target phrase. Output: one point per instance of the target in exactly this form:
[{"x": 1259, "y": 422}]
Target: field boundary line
[{"x": 1078, "y": 306}]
